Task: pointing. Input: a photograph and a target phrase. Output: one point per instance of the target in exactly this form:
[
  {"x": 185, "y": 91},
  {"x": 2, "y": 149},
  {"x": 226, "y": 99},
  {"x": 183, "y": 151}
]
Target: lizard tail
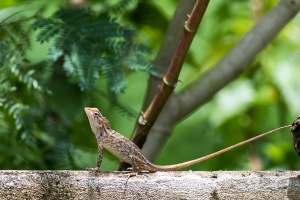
[{"x": 192, "y": 162}]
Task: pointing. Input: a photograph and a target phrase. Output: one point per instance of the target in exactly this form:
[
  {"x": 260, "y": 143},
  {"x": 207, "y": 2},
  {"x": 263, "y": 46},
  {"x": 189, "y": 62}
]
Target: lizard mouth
[{"x": 88, "y": 111}]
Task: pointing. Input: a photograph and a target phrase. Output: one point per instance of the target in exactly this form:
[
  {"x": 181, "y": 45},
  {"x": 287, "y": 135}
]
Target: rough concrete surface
[{"x": 159, "y": 185}]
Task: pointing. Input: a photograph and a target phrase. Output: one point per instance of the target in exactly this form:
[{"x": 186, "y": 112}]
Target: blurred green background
[{"x": 43, "y": 124}]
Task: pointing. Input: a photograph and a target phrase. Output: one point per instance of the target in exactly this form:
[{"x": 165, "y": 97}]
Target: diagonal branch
[
  {"x": 168, "y": 48},
  {"x": 148, "y": 118}
]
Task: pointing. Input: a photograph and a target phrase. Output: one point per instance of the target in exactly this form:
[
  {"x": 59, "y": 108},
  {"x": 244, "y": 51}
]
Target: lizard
[{"x": 125, "y": 150}]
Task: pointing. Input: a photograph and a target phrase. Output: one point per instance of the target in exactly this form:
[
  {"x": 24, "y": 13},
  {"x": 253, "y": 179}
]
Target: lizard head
[{"x": 95, "y": 118}]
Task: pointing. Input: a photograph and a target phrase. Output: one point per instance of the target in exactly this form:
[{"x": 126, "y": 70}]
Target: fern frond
[
  {"x": 3, "y": 56},
  {"x": 54, "y": 53},
  {"x": 133, "y": 55},
  {"x": 113, "y": 74},
  {"x": 73, "y": 16},
  {"x": 122, "y": 108},
  {"x": 89, "y": 73},
  {"x": 16, "y": 110},
  {"x": 85, "y": 39},
  {"x": 50, "y": 29},
  {"x": 114, "y": 103},
  {"x": 123, "y": 6},
  {"x": 14, "y": 42},
  {"x": 138, "y": 63}
]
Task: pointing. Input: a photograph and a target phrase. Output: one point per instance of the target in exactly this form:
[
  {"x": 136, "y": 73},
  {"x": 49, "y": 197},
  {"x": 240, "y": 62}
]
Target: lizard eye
[{"x": 97, "y": 114}]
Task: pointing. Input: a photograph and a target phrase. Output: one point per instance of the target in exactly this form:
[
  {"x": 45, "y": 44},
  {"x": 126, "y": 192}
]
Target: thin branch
[
  {"x": 162, "y": 60},
  {"x": 168, "y": 48}
]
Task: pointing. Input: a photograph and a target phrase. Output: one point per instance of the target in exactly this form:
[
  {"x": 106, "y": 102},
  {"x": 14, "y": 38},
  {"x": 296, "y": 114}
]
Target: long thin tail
[{"x": 191, "y": 162}]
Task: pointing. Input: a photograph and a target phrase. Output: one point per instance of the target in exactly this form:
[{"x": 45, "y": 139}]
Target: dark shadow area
[{"x": 293, "y": 191}]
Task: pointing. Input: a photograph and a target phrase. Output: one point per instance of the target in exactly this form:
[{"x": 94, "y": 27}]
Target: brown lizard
[{"x": 128, "y": 152}]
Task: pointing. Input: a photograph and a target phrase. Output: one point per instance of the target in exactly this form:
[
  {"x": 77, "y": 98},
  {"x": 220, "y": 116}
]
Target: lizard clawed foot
[
  {"x": 132, "y": 174},
  {"x": 92, "y": 169},
  {"x": 130, "y": 169},
  {"x": 137, "y": 171}
]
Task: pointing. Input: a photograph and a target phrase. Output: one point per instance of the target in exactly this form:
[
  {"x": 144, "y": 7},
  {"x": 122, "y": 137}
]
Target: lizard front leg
[{"x": 100, "y": 156}]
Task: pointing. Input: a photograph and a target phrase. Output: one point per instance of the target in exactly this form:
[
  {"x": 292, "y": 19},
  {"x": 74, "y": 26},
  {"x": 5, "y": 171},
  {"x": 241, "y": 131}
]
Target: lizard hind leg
[
  {"x": 133, "y": 164},
  {"x": 140, "y": 165}
]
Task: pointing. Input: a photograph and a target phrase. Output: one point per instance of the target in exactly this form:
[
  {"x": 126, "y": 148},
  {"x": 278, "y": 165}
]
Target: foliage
[
  {"x": 91, "y": 43},
  {"x": 83, "y": 45}
]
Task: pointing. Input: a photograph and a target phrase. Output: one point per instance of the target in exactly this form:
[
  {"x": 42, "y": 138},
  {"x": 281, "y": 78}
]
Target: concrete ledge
[{"x": 159, "y": 185}]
